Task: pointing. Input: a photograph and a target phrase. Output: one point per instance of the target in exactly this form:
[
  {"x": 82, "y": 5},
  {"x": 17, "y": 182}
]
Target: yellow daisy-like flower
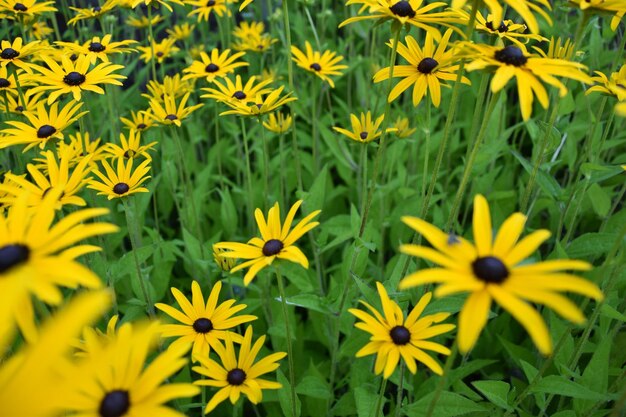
[
  {"x": 528, "y": 69},
  {"x": 81, "y": 145},
  {"x": 167, "y": 113},
  {"x": 238, "y": 374},
  {"x": 37, "y": 257},
  {"x": 92, "y": 12},
  {"x": 364, "y": 129},
  {"x": 225, "y": 264},
  {"x": 251, "y": 37},
  {"x": 403, "y": 130},
  {"x": 204, "y": 8},
  {"x": 180, "y": 32},
  {"x": 203, "y": 324},
  {"x": 122, "y": 183},
  {"x": 30, "y": 8},
  {"x": 40, "y": 30},
  {"x": 261, "y": 105},
  {"x": 394, "y": 337},
  {"x": 162, "y": 50},
  {"x": 236, "y": 91},
  {"x": 99, "y": 48},
  {"x": 428, "y": 67},
  {"x": 14, "y": 104},
  {"x": 117, "y": 381},
  {"x": 150, "y": 3},
  {"x": 525, "y": 8},
  {"x": 495, "y": 270},
  {"x": 173, "y": 86},
  {"x": 218, "y": 65},
  {"x": 620, "y": 110},
  {"x": 278, "y": 123},
  {"x": 143, "y": 21},
  {"x": 43, "y": 125},
  {"x": 507, "y": 29},
  {"x": 276, "y": 242},
  {"x": 321, "y": 64},
  {"x": 15, "y": 53},
  {"x": 141, "y": 120},
  {"x": 610, "y": 6},
  {"x": 75, "y": 77},
  {"x": 130, "y": 147},
  {"x": 615, "y": 86},
  {"x": 9, "y": 81}
]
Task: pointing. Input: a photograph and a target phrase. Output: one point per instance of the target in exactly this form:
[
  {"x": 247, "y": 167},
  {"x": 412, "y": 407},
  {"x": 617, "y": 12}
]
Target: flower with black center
[
  {"x": 8, "y": 82},
  {"x": 394, "y": 337},
  {"x": 525, "y": 8},
  {"x": 142, "y": 22},
  {"x": 514, "y": 61},
  {"x": 17, "y": 9},
  {"x": 37, "y": 255},
  {"x": 218, "y": 65},
  {"x": 151, "y": 3},
  {"x": 427, "y": 68},
  {"x": 321, "y": 64},
  {"x": 204, "y": 8},
  {"x": 140, "y": 121},
  {"x": 98, "y": 48},
  {"x": 498, "y": 270},
  {"x": 130, "y": 147},
  {"x": 43, "y": 125},
  {"x": 364, "y": 128},
  {"x": 507, "y": 29},
  {"x": 278, "y": 123},
  {"x": 180, "y": 32},
  {"x": 237, "y": 91},
  {"x": 40, "y": 30},
  {"x": 173, "y": 86},
  {"x": 15, "y": 105},
  {"x": 238, "y": 374},
  {"x": 122, "y": 183},
  {"x": 276, "y": 242},
  {"x": 251, "y": 36},
  {"x": 17, "y": 53},
  {"x": 162, "y": 50},
  {"x": 616, "y": 7},
  {"x": 168, "y": 113},
  {"x": 203, "y": 323},
  {"x": 93, "y": 12},
  {"x": 260, "y": 105},
  {"x": 614, "y": 86},
  {"x": 116, "y": 380},
  {"x": 74, "y": 77}
]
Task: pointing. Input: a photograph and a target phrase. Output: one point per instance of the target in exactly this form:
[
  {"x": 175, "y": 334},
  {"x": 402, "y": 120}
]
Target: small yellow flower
[
  {"x": 321, "y": 64},
  {"x": 214, "y": 66},
  {"x": 364, "y": 129},
  {"x": 278, "y": 123},
  {"x": 167, "y": 113},
  {"x": 162, "y": 50},
  {"x": 225, "y": 264},
  {"x": 403, "y": 128},
  {"x": 122, "y": 183}
]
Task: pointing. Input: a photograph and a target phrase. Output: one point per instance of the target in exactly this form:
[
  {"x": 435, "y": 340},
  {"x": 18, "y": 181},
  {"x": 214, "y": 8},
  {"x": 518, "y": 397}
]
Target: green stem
[
  {"x": 443, "y": 379},
  {"x": 248, "y": 170},
  {"x": 216, "y": 120},
  {"x": 151, "y": 40},
  {"x": 266, "y": 165},
  {"x": 292, "y": 378},
  {"x": 400, "y": 391},
  {"x": 314, "y": 137},
  {"x": 381, "y": 398}
]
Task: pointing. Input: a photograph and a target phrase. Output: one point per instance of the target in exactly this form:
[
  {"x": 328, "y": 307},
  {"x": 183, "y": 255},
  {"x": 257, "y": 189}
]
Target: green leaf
[
  {"x": 314, "y": 386},
  {"x": 559, "y": 385},
  {"x": 495, "y": 391},
  {"x": 365, "y": 399},
  {"x": 600, "y": 201},
  {"x": 449, "y": 404},
  {"x": 284, "y": 396},
  {"x": 310, "y": 302},
  {"x": 596, "y": 374},
  {"x": 591, "y": 244}
]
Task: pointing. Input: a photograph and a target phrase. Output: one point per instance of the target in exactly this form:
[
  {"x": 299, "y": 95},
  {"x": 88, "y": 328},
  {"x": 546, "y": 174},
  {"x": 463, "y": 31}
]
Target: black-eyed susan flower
[
  {"x": 428, "y": 68},
  {"x": 99, "y": 48},
  {"x": 43, "y": 125},
  {"x": 394, "y": 337},
  {"x": 143, "y": 21},
  {"x": 40, "y": 30},
  {"x": 123, "y": 182},
  {"x": 74, "y": 77},
  {"x": 31, "y": 8},
  {"x": 276, "y": 242},
  {"x": 528, "y": 69},
  {"x": 172, "y": 85},
  {"x": 364, "y": 128},
  {"x": 225, "y": 264},
  {"x": 507, "y": 29},
  {"x": 218, "y": 65},
  {"x": 118, "y": 381},
  {"x": 525, "y": 8},
  {"x": 93, "y": 12},
  {"x": 614, "y": 86},
  {"x": 251, "y": 36},
  {"x": 37, "y": 257},
  {"x": 620, "y": 110},
  {"x": 15, "y": 104},
  {"x": 81, "y": 144},
  {"x": 168, "y": 113},
  {"x": 130, "y": 147},
  {"x": 236, "y": 91},
  {"x": 17, "y": 53},
  {"x": 403, "y": 129},
  {"x": 141, "y": 120},
  {"x": 321, "y": 64},
  {"x": 9, "y": 81},
  {"x": 559, "y": 49},
  {"x": 497, "y": 270},
  {"x": 617, "y": 7},
  {"x": 204, "y": 8},
  {"x": 261, "y": 105},
  {"x": 162, "y": 50},
  {"x": 238, "y": 374},
  {"x": 203, "y": 322},
  {"x": 180, "y": 32},
  {"x": 278, "y": 123},
  {"x": 164, "y": 3}
]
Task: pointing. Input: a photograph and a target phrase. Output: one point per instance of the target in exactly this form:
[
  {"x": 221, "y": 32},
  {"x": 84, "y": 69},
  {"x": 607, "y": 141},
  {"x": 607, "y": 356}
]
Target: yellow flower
[
  {"x": 92, "y": 12},
  {"x": 141, "y": 120},
  {"x": 321, "y": 64},
  {"x": 17, "y": 106},
  {"x": 403, "y": 130},
  {"x": 162, "y": 50},
  {"x": 278, "y": 123},
  {"x": 99, "y": 48},
  {"x": 615, "y": 86},
  {"x": 9, "y": 81},
  {"x": 180, "y": 32},
  {"x": 394, "y": 337},
  {"x": 276, "y": 242},
  {"x": 40, "y": 30},
  {"x": 168, "y": 113},
  {"x": 16, "y": 52},
  {"x": 525, "y": 8},
  {"x": 611, "y": 6},
  {"x": 131, "y": 147},
  {"x": 364, "y": 129},
  {"x": 217, "y": 65},
  {"x": 172, "y": 85},
  {"x": 261, "y": 106},
  {"x": 143, "y": 21},
  {"x": 225, "y": 264},
  {"x": 495, "y": 270},
  {"x": 148, "y": 3},
  {"x": 122, "y": 183},
  {"x": 507, "y": 29},
  {"x": 238, "y": 374},
  {"x": 29, "y": 8},
  {"x": 204, "y": 8},
  {"x": 237, "y": 92},
  {"x": 250, "y": 37}
]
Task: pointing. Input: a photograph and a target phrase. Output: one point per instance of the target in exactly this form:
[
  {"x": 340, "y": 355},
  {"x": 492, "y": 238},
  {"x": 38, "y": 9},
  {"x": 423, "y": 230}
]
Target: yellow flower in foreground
[
  {"x": 364, "y": 129},
  {"x": 238, "y": 374},
  {"x": 525, "y": 8},
  {"x": 202, "y": 324},
  {"x": 244, "y": 4},
  {"x": 620, "y": 109},
  {"x": 276, "y": 242},
  {"x": 217, "y": 65},
  {"x": 495, "y": 270},
  {"x": 124, "y": 182},
  {"x": 394, "y": 337},
  {"x": 321, "y": 64},
  {"x": 166, "y": 112},
  {"x": 615, "y": 86},
  {"x": 610, "y": 6},
  {"x": 99, "y": 48},
  {"x": 261, "y": 105}
]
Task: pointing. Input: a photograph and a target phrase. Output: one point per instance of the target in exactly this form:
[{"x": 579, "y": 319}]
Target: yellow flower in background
[
  {"x": 403, "y": 130},
  {"x": 620, "y": 110},
  {"x": 172, "y": 85},
  {"x": 244, "y": 4},
  {"x": 16, "y": 53},
  {"x": 30, "y": 8},
  {"x": 203, "y": 323},
  {"x": 525, "y": 8},
  {"x": 364, "y": 128},
  {"x": 251, "y": 37},
  {"x": 528, "y": 69},
  {"x": 497, "y": 270},
  {"x": 123, "y": 182},
  {"x": 607, "y": 6},
  {"x": 394, "y": 337},
  {"x": 149, "y": 3},
  {"x": 238, "y": 374},
  {"x": 507, "y": 29},
  {"x": 141, "y": 120},
  {"x": 81, "y": 145},
  {"x": 428, "y": 68},
  {"x": 615, "y": 86},
  {"x": 321, "y": 64},
  {"x": 43, "y": 125},
  {"x": 204, "y": 8},
  {"x": 278, "y": 123},
  {"x": 162, "y": 50},
  {"x": 130, "y": 147},
  {"x": 74, "y": 77},
  {"x": 218, "y": 65},
  {"x": 17, "y": 106},
  {"x": 93, "y": 12},
  {"x": 180, "y": 32},
  {"x": 261, "y": 105},
  {"x": 557, "y": 48},
  {"x": 40, "y": 30},
  {"x": 99, "y": 48},
  {"x": 236, "y": 91},
  {"x": 143, "y": 21},
  {"x": 168, "y": 113},
  {"x": 276, "y": 242},
  {"x": 225, "y": 264}
]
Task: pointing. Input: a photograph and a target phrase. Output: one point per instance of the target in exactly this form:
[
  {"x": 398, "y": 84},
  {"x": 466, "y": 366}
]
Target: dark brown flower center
[
  {"x": 502, "y": 28},
  {"x": 315, "y": 67},
  {"x": 159, "y": 54},
  {"x": 19, "y": 108},
  {"x": 400, "y": 335},
  {"x": 403, "y": 9},
  {"x": 202, "y": 325},
  {"x": 239, "y": 95},
  {"x": 73, "y": 57},
  {"x": 13, "y": 255},
  {"x": 171, "y": 117},
  {"x": 74, "y": 78},
  {"x": 46, "y": 131},
  {"x": 9, "y": 53},
  {"x": 511, "y": 55},
  {"x": 97, "y": 9},
  {"x": 96, "y": 47},
  {"x": 236, "y": 376},
  {"x": 129, "y": 154},
  {"x": 19, "y": 7},
  {"x": 490, "y": 269},
  {"x": 363, "y": 135},
  {"x": 114, "y": 404},
  {"x": 211, "y": 68},
  {"x": 210, "y": 3},
  {"x": 427, "y": 65},
  {"x": 121, "y": 188},
  {"x": 272, "y": 247},
  {"x": 141, "y": 126},
  {"x": 4, "y": 83}
]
